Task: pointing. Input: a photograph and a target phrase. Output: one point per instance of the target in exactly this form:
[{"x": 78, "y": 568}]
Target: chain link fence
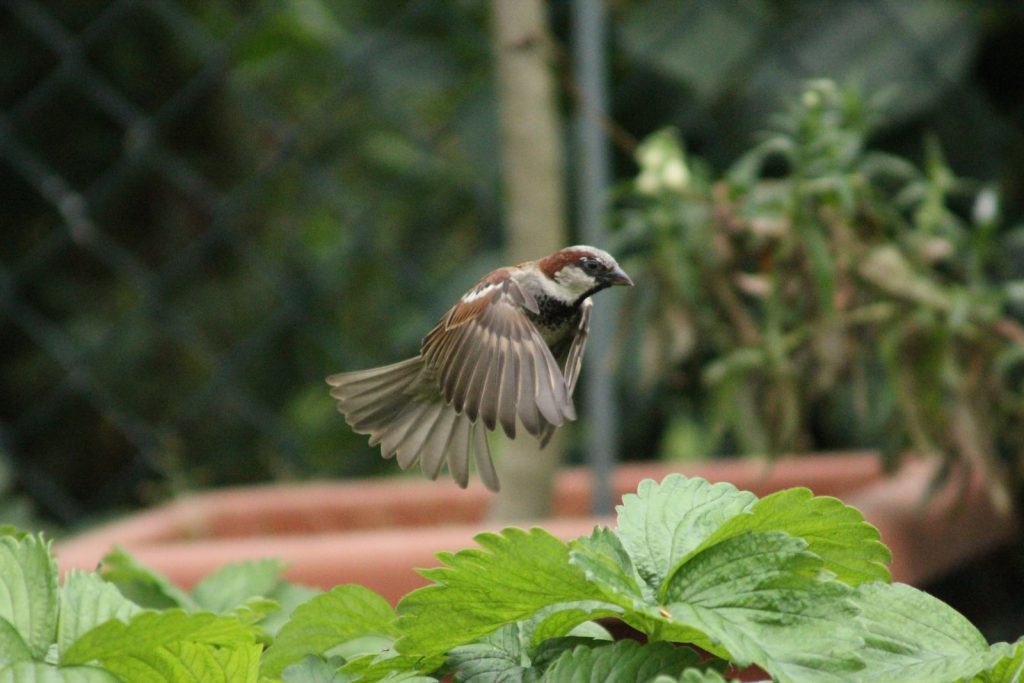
[
  {"x": 184, "y": 231},
  {"x": 207, "y": 206}
]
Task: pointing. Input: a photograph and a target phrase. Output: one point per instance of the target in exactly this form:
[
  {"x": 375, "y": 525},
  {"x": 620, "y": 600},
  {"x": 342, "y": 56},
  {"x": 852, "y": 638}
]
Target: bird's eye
[{"x": 590, "y": 266}]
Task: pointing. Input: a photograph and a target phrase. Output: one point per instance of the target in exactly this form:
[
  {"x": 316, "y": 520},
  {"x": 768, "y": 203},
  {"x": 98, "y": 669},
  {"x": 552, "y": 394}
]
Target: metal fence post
[{"x": 593, "y": 175}]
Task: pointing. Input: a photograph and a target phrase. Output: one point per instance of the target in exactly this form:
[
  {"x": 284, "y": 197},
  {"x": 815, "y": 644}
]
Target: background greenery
[{"x": 209, "y": 206}]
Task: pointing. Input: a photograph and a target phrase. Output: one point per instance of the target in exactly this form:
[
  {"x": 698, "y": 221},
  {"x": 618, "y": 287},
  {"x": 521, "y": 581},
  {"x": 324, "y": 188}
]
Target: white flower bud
[
  {"x": 675, "y": 175},
  {"x": 986, "y": 207}
]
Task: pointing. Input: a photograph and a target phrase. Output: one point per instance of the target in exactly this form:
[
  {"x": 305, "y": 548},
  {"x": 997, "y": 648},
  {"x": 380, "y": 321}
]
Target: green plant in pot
[
  {"x": 710, "y": 580},
  {"x": 822, "y": 294}
]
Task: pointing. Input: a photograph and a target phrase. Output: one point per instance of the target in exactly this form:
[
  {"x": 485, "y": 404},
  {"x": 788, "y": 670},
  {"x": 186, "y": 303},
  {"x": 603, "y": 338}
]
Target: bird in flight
[{"x": 508, "y": 352}]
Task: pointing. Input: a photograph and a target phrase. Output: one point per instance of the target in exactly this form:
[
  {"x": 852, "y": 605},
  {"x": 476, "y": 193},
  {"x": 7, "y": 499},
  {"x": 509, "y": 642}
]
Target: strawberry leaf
[
  {"x": 234, "y": 584},
  {"x": 1008, "y": 669},
  {"x": 498, "y": 656},
  {"x": 837, "y": 533},
  {"x": 760, "y": 597},
  {"x": 144, "y": 586},
  {"x": 694, "y": 676},
  {"x": 148, "y": 631},
  {"x": 571, "y": 618},
  {"x": 625, "y": 660},
  {"x": 288, "y": 597},
  {"x": 187, "y": 662},
  {"x": 28, "y": 591},
  {"x": 511, "y": 577},
  {"x": 328, "y": 620},
  {"x": 912, "y": 636},
  {"x": 12, "y": 646},
  {"x": 313, "y": 669},
  {"x": 39, "y": 672},
  {"x": 391, "y": 667},
  {"x": 86, "y": 601},
  {"x": 663, "y": 523},
  {"x": 606, "y": 564}
]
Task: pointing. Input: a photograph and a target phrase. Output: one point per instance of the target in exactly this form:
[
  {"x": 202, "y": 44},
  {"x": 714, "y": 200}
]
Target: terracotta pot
[{"x": 376, "y": 532}]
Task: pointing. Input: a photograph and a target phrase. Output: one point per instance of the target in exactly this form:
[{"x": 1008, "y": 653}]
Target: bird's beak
[{"x": 618, "y": 277}]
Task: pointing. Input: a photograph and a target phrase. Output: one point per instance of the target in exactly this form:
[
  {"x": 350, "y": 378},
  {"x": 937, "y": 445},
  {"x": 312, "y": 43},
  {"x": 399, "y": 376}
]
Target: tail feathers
[
  {"x": 374, "y": 397},
  {"x": 385, "y": 404}
]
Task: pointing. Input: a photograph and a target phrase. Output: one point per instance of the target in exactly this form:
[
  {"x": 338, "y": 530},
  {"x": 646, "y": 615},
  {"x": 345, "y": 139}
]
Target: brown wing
[
  {"x": 569, "y": 356},
  {"x": 492, "y": 364}
]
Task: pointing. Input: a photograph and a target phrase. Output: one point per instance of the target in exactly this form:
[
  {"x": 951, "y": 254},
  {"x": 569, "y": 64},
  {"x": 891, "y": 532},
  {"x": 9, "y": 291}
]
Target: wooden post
[{"x": 534, "y": 186}]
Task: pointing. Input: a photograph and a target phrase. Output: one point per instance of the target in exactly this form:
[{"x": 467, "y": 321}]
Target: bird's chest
[{"x": 555, "y": 320}]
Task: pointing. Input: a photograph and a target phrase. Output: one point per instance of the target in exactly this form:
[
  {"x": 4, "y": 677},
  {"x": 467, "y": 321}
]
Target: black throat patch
[{"x": 553, "y": 313}]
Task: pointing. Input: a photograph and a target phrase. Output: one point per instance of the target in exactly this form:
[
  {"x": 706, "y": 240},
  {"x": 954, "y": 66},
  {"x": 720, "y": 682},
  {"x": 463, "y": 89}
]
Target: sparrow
[{"x": 508, "y": 352}]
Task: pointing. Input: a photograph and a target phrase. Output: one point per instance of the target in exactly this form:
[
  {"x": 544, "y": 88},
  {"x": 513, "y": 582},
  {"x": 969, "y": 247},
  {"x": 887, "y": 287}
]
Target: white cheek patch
[{"x": 574, "y": 280}]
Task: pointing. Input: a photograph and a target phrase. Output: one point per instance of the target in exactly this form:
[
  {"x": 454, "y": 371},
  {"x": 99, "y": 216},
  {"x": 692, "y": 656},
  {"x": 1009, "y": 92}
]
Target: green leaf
[
  {"x": 343, "y": 614},
  {"x": 151, "y": 630},
  {"x": 86, "y": 601},
  {"x": 760, "y": 597},
  {"x": 38, "y": 672},
  {"x": 188, "y": 662},
  {"x": 288, "y": 596},
  {"x": 498, "y": 656},
  {"x": 606, "y": 563},
  {"x": 362, "y": 645},
  {"x": 501, "y": 656},
  {"x": 515, "y": 574},
  {"x": 694, "y": 676},
  {"x": 608, "y": 566},
  {"x": 835, "y": 532},
  {"x": 28, "y": 591},
  {"x": 12, "y": 646},
  {"x": 662, "y": 523},
  {"x": 912, "y": 636},
  {"x": 13, "y": 531},
  {"x": 590, "y": 629},
  {"x": 211, "y": 664},
  {"x": 390, "y": 666},
  {"x": 625, "y": 660},
  {"x": 143, "y": 586},
  {"x": 570, "y": 618},
  {"x": 551, "y": 649},
  {"x": 254, "y": 610},
  {"x": 313, "y": 669},
  {"x": 1008, "y": 669},
  {"x": 404, "y": 677},
  {"x": 232, "y": 585}
]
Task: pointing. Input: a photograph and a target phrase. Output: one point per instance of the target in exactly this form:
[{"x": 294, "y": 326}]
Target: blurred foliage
[
  {"x": 293, "y": 189},
  {"x": 823, "y": 293},
  {"x": 209, "y": 205},
  {"x": 719, "y": 70},
  {"x": 15, "y": 508}
]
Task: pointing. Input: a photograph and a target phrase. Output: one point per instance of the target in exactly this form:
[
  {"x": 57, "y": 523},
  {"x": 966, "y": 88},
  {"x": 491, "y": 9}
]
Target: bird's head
[{"x": 580, "y": 271}]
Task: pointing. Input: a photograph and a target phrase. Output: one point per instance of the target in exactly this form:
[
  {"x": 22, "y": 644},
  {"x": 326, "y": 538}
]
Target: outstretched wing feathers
[
  {"x": 489, "y": 390},
  {"x": 507, "y": 389},
  {"x": 493, "y": 365},
  {"x": 432, "y": 455},
  {"x": 409, "y": 450},
  {"x": 484, "y": 464},
  {"x": 484, "y": 364}
]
